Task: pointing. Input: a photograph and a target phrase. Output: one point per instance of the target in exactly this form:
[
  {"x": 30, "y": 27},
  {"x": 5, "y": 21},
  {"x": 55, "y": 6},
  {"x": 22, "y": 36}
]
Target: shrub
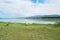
[{"x": 58, "y": 23}]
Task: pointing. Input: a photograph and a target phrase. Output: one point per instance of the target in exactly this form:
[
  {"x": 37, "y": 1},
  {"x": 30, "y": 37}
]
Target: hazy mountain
[
  {"x": 43, "y": 16},
  {"x": 36, "y": 17}
]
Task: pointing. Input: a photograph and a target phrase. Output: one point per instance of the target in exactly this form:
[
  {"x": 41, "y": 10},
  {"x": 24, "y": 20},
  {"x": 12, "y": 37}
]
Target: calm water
[{"x": 38, "y": 21}]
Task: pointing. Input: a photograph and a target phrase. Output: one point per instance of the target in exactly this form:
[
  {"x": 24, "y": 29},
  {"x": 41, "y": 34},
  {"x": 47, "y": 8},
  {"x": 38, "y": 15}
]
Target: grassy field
[{"x": 19, "y": 31}]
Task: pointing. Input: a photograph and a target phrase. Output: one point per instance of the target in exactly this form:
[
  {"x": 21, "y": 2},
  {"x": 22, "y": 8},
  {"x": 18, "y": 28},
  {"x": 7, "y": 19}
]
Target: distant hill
[
  {"x": 43, "y": 16},
  {"x": 36, "y": 17}
]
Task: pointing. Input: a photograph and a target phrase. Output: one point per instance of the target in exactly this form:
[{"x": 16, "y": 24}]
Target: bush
[{"x": 58, "y": 23}]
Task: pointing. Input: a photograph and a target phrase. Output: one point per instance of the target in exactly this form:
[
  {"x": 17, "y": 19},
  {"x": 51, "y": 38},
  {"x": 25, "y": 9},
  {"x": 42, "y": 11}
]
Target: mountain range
[
  {"x": 35, "y": 17},
  {"x": 43, "y": 16}
]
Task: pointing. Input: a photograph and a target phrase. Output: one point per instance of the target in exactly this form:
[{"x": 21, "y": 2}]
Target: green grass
[{"x": 18, "y": 31}]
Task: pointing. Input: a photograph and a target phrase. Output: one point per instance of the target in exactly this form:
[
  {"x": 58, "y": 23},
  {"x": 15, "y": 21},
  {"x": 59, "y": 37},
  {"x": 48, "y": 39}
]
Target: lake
[{"x": 37, "y": 21}]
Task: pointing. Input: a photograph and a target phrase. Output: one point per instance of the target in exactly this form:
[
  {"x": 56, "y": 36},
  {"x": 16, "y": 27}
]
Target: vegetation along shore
[{"x": 22, "y": 31}]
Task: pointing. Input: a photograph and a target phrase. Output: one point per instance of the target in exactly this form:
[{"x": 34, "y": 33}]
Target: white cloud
[{"x": 17, "y": 8}]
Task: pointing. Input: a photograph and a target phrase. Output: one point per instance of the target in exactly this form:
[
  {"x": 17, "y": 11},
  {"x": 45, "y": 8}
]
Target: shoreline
[{"x": 31, "y": 23}]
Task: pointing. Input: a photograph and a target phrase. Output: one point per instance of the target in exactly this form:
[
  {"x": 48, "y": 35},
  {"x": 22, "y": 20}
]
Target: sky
[{"x": 26, "y": 8}]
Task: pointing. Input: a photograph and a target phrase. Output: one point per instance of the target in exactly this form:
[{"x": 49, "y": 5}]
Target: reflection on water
[{"x": 38, "y": 21}]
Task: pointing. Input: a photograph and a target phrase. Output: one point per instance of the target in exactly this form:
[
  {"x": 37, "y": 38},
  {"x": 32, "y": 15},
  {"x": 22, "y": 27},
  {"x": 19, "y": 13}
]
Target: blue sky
[
  {"x": 23, "y": 8},
  {"x": 39, "y": 1},
  {"x": 34, "y": 1}
]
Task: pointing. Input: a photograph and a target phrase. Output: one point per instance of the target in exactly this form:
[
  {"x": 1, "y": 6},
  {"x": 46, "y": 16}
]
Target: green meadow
[{"x": 19, "y": 31}]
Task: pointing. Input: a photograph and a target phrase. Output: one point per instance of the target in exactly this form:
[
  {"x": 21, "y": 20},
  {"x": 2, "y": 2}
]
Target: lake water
[{"x": 37, "y": 21}]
